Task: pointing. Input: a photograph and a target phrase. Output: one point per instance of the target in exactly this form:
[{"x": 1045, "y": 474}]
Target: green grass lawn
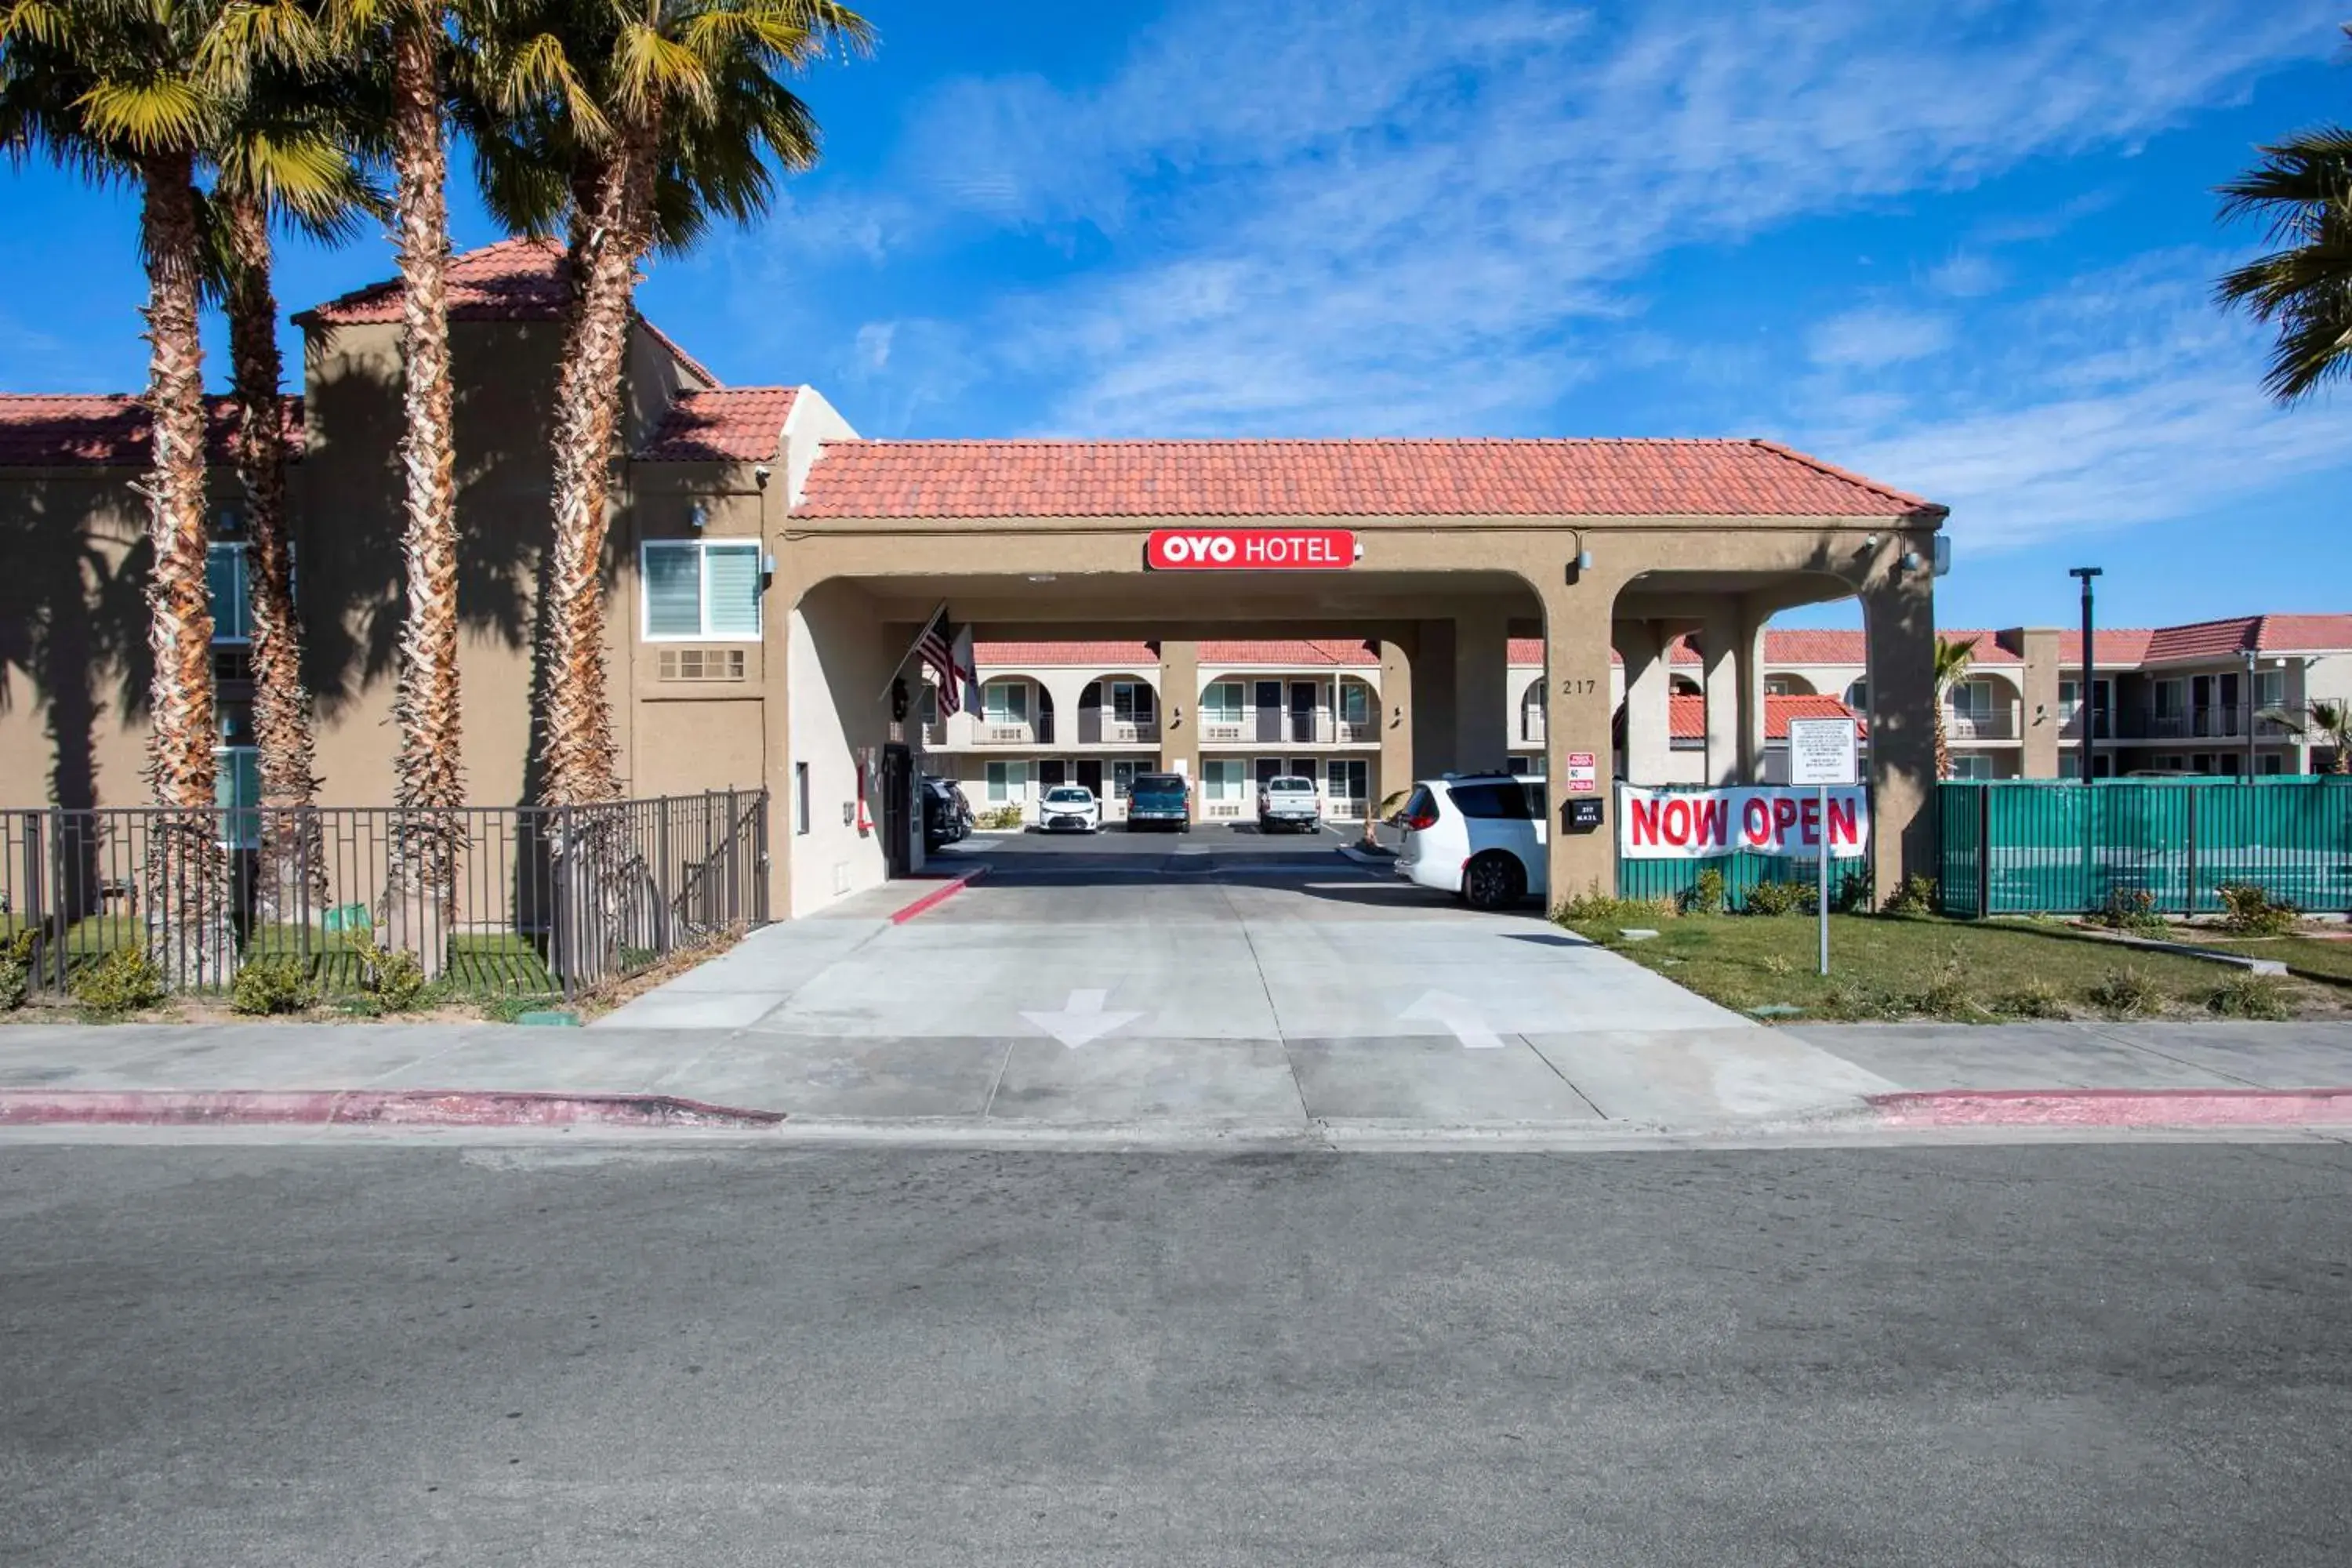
[
  {"x": 481, "y": 964},
  {"x": 1906, "y": 966},
  {"x": 2312, "y": 954}
]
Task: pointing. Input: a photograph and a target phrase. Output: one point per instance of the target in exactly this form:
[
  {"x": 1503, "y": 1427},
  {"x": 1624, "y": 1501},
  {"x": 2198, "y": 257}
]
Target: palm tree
[
  {"x": 658, "y": 115},
  {"x": 2302, "y": 190},
  {"x": 283, "y": 156},
  {"x": 139, "y": 89},
  {"x": 408, "y": 43},
  {"x": 2322, "y": 719},
  {"x": 1952, "y": 661}
]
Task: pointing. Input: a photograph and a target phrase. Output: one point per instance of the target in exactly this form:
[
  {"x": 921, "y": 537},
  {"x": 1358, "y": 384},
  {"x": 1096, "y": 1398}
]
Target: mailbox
[{"x": 1580, "y": 814}]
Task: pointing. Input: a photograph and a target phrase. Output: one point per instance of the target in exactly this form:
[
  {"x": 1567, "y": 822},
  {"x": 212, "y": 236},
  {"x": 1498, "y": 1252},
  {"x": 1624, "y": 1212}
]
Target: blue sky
[{"x": 1967, "y": 248}]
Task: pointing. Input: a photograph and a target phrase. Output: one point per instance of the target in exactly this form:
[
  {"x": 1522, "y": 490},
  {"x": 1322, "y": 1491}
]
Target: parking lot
[{"x": 1224, "y": 977}]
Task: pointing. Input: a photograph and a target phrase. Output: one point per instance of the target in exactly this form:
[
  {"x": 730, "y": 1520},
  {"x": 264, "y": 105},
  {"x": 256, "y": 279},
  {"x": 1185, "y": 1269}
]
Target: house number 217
[{"x": 1572, "y": 687}]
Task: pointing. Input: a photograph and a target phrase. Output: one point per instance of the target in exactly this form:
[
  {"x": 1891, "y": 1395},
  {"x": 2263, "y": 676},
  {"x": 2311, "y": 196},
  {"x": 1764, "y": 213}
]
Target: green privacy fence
[{"x": 2034, "y": 846}]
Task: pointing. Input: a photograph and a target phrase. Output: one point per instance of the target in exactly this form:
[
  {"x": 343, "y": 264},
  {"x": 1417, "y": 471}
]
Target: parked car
[
  {"x": 1159, "y": 800},
  {"x": 1289, "y": 801},
  {"x": 1481, "y": 837},
  {"x": 1070, "y": 808},
  {"x": 947, "y": 817}
]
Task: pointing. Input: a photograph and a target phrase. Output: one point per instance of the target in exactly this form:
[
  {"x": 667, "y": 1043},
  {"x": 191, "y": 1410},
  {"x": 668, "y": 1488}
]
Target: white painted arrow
[
  {"x": 1081, "y": 1019},
  {"x": 1457, "y": 1014}
]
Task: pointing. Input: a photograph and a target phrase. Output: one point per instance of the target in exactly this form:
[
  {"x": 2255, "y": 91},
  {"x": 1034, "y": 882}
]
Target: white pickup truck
[{"x": 1289, "y": 801}]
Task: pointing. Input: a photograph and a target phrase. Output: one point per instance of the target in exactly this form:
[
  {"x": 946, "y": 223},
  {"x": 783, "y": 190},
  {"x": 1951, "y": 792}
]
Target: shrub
[
  {"x": 2248, "y": 910},
  {"x": 395, "y": 980},
  {"x": 2034, "y": 999},
  {"x": 1009, "y": 815},
  {"x": 274, "y": 982},
  {"x": 16, "y": 982},
  {"x": 2261, "y": 996},
  {"x": 1596, "y": 908},
  {"x": 124, "y": 981},
  {"x": 1705, "y": 895},
  {"x": 1852, "y": 894},
  {"x": 1946, "y": 994},
  {"x": 1778, "y": 899},
  {"x": 2132, "y": 909},
  {"x": 1917, "y": 896},
  {"x": 1858, "y": 1003},
  {"x": 2126, "y": 991}
]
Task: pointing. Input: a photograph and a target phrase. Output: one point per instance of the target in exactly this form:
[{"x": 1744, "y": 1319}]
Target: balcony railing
[
  {"x": 1999, "y": 722},
  {"x": 1097, "y": 727},
  {"x": 1037, "y": 731},
  {"x": 1289, "y": 726},
  {"x": 2211, "y": 723}
]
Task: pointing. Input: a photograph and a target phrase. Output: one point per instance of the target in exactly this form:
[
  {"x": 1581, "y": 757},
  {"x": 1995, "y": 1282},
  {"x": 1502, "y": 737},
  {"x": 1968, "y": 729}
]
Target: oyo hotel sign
[{"x": 1251, "y": 549}]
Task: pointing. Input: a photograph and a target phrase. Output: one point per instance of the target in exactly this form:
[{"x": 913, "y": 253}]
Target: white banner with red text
[{"x": 1698, "y": 824}]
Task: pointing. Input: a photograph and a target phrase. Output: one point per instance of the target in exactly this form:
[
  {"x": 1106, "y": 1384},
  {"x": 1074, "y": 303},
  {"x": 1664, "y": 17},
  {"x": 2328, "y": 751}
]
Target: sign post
[{"x": 1824, "y": 752}]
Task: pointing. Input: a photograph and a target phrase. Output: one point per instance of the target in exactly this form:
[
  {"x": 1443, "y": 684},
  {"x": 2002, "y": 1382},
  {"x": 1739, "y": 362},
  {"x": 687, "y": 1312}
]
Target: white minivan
[{"x": 1480, "y": 836}]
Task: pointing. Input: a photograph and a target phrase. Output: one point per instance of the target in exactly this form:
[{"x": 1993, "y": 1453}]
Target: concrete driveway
[{"x": 1217, "y": 976}]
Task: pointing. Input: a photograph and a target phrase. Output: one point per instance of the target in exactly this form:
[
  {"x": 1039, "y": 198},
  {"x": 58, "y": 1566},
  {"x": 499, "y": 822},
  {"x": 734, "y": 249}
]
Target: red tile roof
[
  {"x": 2233, "y": 636},
  {"x": 1135, "y": 656},
  {"x": 1298, "y": 653},
  {"x": 2118, "y": 646},
  {"x": 1793, "y": 645},
  {"x": 41, "y": 431},
  {"x": 1687, "y": 715},
  {"x": 722, "y": 425},
  {"x": 1337, "y": 479},
  {"x": 513, "y": 280},
  {"x": 694, "y": 366}
]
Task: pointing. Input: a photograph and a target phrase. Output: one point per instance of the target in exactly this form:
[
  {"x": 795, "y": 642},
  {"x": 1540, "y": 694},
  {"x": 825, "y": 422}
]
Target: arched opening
[
  {"x": 1121, "y": 709},
  {"x": 1530, "y": 731},
  {"x": 1787, "y": 683}
]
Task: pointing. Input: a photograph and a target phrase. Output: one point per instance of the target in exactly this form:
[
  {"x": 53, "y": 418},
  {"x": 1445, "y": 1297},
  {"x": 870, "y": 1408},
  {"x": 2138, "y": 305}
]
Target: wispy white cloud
[
  {"x": 1875, "y": 336},
  {"x": 1318, "y": 222}
]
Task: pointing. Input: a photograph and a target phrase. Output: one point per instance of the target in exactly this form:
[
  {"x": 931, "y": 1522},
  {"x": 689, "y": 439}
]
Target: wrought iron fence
[
  {"x": 491, "y": 901},
  {"x": 2039, "y": 845}
]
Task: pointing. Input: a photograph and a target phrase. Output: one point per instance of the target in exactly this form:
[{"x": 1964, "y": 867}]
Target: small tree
[
  {"x": 1952, "y": 661},
  {"x": 2321, "y": 720}
]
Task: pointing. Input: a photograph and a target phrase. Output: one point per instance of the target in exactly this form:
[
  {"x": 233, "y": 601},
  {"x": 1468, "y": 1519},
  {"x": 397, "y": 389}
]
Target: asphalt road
[{"x": 578, "y": 1356}]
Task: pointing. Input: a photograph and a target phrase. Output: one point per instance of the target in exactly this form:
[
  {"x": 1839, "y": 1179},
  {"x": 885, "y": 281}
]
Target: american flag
[{"x": 938, "y": 656}]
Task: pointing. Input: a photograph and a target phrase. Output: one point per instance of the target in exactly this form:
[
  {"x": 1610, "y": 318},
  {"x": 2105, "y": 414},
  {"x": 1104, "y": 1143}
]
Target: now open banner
[{"x": 1695, "y": 825}]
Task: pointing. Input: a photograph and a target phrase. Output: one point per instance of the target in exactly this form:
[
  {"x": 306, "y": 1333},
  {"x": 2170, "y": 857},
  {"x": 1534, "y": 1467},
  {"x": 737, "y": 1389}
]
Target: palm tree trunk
[
  {"x": 189, "y": 936},
  {"x": 429, "y": 785},
  {"x": 290, "y": 876},
  {"x": 1943, "y": 743},
  {"x": 581, "y": 765}
]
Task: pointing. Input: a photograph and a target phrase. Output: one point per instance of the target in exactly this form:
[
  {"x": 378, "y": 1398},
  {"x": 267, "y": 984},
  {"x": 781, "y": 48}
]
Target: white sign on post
[{"x": 1824, "y": 752}]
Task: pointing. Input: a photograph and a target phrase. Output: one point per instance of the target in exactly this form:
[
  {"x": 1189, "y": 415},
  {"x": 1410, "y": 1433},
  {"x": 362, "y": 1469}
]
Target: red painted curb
[
  {"x": 938, "y": 895},
  {"x": 389, "y": 1108},
  {"x": 2117, "y": 1108}
]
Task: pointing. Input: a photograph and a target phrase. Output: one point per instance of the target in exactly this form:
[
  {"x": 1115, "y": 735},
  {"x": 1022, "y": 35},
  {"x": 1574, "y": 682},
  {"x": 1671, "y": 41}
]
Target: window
[
  {"x": 1122, "y": 778},
  {"x": 799, "y": 798},
  {"x": 2202, "y": 763},
  {"x": 1006, "y": 702},
  {"x": 1523, "y": 765},
  {"x": 1857, "y": 696},
  {"x": 236, "y": 776},
  {"x": 2168, "y": 698},
  {"x": 1972, "y": 699},
  {"x": 1346, "y": 782},
  {"x": 927, "y": 706},
  {"x": 1499, "y": 802},
  {"x": 702, "y": 590},
  {"x": 1786, "y": 686},
  {"x": 2274, "y": 763},
  {"x": 230, "y": 589},
  {"x": 1355, "y": 704},
  {"x": 2270, "y": 688},
  {"x": 1222, "y": 703},
  {"x": 1968, "y": 765},
  {"x": 1226, "y": 778},
  {"x": 1132, "y": 703},
  {"x": 1007, "y": 783}
]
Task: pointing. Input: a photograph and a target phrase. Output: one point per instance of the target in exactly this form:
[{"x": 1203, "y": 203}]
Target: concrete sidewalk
[{"x": 1597, "y": 1083}]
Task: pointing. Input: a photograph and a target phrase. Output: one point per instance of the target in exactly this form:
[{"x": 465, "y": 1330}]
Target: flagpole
[{"x": 898, "y": 669}]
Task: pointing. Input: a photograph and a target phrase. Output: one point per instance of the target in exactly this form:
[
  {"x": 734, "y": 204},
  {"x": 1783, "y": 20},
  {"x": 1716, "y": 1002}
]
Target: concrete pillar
[
  {"x": 1432, "y": 705},
  {"x": 1179, "y": 712},
  {"x": 1395, "y": 717},
  {"x": 1898, "y": 613},
  {"x": 1649, "y": 692},
  {"x": 1580, "y": 709},
  {"x": 776, "y": 754},
  {"x": 1750, "y": 655},
  {"x": 1721, "y": 638},
  {"x": 2038, "y": 713},
  {"x": 1482, "y": 694}
]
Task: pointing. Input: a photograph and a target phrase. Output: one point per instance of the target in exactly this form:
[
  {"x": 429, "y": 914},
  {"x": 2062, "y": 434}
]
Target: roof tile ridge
[{"x": 1806, "y": 459}]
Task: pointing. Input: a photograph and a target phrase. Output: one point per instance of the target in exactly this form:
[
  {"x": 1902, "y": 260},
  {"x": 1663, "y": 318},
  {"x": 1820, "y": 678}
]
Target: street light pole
[
  {"x": 2249, "y": 715},
  {"x": 2089, "y": 704}
]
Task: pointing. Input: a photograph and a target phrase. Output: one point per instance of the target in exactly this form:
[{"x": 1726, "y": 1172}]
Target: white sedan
[{"x": 1070, "y": 808}]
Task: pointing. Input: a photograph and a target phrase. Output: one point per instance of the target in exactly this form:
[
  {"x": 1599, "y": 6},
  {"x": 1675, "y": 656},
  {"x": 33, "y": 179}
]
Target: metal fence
[
  {"x": 2037, "y": 845},
  {"x": 492, "y": 900}
]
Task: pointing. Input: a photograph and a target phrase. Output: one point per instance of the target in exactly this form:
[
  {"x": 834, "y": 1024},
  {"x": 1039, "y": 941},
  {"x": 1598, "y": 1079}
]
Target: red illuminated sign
[{"x": 1251, "y": 549}]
